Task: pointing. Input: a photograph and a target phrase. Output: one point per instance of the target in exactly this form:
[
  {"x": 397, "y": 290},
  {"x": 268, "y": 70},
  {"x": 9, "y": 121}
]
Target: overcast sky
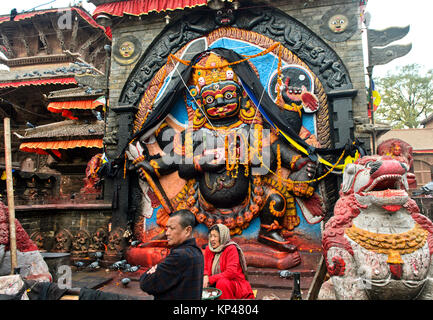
[
  {"x": 384, "y": 14},
  {"x": 417, "y": 14}
]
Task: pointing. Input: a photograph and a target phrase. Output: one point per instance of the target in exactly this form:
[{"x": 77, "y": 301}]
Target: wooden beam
[
  {"x": 42, "y": 36},
  {"x": 318, "y": 279},
  {"x": 7, "y": 44},
  {"x": 84, "y": 48},
  {"x": 94, "y": 55},
  {"x": 10, "y": 193},
  {"x": 24, "y": 41},
  {"x": 73, "y": 44},
  {"x": 59, "y": 33}
]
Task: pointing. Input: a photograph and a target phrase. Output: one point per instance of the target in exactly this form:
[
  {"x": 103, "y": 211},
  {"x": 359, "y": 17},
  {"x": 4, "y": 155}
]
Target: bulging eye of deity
[
  {"x": 225, "y": 17},
  {"x": 209, "y": 99},
  {"x": 229, "y": 95}
]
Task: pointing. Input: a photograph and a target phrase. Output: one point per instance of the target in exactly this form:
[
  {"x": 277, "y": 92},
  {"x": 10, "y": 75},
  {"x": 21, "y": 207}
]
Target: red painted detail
[
  {"x": 345, "y": 210},
  {"x": 396, "y": 270},
  {"x": 146, "y": 257},
  {"x": 24, "y": 243},
  {"x": 310, "y": 100},
  {"x": 139, "y": 7},
  {"x": 315, "y": 205},
  {"x": 392, "y": 208},
  {"x": 155, "y": 203},
  {"x": 337, "y": 268},
  {"x": 423, "y": 221},
  {"x": 17, "y": 84}
]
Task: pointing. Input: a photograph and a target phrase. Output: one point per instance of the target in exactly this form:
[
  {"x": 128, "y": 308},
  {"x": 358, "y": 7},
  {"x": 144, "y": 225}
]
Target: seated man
[
  {"x": 225, "y": 265},
  {"x": 180, "y": 275}
]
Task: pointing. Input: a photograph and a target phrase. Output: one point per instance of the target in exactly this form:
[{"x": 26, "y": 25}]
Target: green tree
[{"x": 406, "y": 97}]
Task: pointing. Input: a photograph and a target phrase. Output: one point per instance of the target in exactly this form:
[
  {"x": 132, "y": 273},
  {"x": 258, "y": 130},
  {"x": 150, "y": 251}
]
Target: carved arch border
[
  {"x": 270, "y": 22},
  {"x": 322, "y": 117}
]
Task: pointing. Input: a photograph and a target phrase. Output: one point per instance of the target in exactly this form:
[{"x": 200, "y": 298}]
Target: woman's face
[{"x": 214, "y": 238}]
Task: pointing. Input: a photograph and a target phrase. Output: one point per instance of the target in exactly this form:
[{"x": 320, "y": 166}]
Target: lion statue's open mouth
[{"x": 380, "y": 181}]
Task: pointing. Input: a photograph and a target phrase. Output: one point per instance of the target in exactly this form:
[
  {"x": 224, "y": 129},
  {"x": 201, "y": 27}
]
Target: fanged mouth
[
  {"x": 223, "y": 110},
  {"x": 388, "y": 185},
  {"x": 225, "y": 20}
]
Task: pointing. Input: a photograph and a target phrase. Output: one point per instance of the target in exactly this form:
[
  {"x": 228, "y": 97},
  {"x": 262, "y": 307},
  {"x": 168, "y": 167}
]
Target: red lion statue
[{"x": 377, "y": 245}]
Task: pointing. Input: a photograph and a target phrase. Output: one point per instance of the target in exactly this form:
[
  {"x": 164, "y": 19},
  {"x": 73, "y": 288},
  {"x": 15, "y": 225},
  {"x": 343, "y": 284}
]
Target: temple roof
[
  {"x": 73, "y": 94},
  {"x": 65, "y": 130},
  {"x": 6, "y": 19},
  {"x": 142, "y": 7}
]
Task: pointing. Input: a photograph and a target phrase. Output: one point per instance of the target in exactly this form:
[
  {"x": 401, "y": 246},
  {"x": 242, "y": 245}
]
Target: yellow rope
[
  {"x": 248, "y": 57},
  {"x": 307, "y": 181}
]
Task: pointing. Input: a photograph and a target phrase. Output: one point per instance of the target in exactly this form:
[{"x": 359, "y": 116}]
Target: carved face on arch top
[
  {"x": 225, "y": 16},
  {"x": 127, "y": 49},
  {"x": 220, "y": 100},
  {"x": 338, "y": 23}
]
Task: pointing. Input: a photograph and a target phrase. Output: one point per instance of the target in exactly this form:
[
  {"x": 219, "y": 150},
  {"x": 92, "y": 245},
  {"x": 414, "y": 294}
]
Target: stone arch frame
[
  {"x": 274, "y": 24},
  {"x": 323, "y": 127},
  {"x": 271, "y": 22}
]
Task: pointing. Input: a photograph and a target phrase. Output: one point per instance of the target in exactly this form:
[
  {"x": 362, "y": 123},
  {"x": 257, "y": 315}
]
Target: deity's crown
[{"x": 211, "y": 69}]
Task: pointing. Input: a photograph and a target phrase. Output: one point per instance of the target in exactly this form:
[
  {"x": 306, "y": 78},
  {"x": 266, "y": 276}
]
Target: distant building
[
  {"x": 428, "y": 122},
  {"x": 42, "y": 51},
  {"x": 55, "y": 122},
  {"x": 421, "y": 140}
]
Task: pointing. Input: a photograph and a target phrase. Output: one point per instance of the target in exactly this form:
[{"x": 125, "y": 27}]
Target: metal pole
[
  {"x": 370, "y": 101},
  {"x": 10, "y": 194},
  {"x": 370, "y": 94}
]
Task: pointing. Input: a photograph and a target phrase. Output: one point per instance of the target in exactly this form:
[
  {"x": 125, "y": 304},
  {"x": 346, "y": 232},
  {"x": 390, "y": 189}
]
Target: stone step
[
  {"x": 276, "y": 294},
  {"x": 259, "y": 281},
  {"x": 276, "y": 273}
]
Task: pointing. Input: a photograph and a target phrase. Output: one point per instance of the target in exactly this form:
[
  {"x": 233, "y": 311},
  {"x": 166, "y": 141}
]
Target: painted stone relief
[
  {"x": 338, "y": 24},
  {"x": 127, "y": 50},
  {"x": 211, "y": 150}
]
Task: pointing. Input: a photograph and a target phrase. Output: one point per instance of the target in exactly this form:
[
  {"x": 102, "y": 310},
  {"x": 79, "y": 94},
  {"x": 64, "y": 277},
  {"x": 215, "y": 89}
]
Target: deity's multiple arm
[{"x": 301, "y": 168}]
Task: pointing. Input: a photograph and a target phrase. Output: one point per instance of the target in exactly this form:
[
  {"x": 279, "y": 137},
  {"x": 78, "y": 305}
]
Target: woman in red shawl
[{"x": 224, "y": 265}]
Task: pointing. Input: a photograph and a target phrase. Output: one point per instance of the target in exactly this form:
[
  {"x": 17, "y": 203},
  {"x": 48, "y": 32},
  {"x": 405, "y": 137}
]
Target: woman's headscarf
[{"x": 225, "y": 241}]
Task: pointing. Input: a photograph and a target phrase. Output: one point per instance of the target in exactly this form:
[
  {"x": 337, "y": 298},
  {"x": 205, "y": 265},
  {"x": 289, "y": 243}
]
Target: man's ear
[{"x": 189, "y": 230}]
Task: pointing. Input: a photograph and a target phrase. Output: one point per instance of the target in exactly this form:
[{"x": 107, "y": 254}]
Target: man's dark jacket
[{"x": 179, "y": 276}]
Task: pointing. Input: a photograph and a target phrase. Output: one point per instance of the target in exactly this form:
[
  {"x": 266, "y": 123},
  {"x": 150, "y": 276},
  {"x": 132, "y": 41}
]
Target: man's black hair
[{"x": 187, "y": 218}]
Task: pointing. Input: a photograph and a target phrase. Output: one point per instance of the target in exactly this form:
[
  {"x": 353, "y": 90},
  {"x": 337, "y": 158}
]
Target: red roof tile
[
  {"x": 139, "y": 7},
  {"x": 17, "y": 84}
]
